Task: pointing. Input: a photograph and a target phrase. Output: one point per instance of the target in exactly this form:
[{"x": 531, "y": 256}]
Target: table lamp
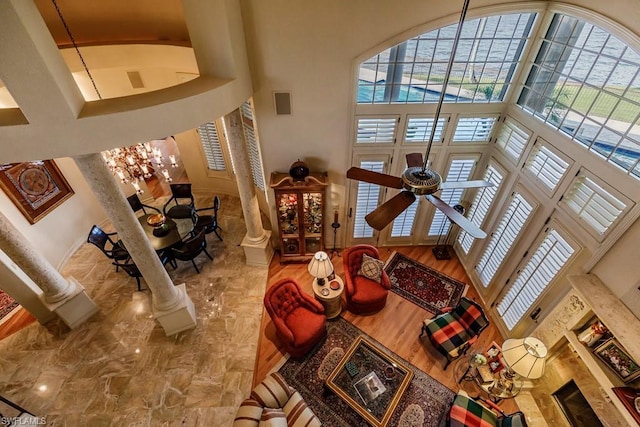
[
  {"x": 524, "y": 357},
  {"x": 320, "y": 267}
]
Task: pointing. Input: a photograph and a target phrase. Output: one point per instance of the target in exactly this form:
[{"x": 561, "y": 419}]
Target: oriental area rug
[
  {"x": 424, "y": 403},
  {"x": 7, "y": 304},
  {"x": 422, "y": 285}
]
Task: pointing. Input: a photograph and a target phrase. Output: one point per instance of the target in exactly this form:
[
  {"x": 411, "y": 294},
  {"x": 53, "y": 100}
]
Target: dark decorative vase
[{"x": 299, "y": 171}]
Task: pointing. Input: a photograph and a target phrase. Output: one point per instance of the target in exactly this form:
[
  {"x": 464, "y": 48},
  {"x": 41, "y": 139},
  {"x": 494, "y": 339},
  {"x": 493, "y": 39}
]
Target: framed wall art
[
  {"x": 36, "y": 188},
  {"x": 618, "y": 360}
]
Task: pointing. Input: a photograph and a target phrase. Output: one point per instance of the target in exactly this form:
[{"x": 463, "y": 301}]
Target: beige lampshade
[
  {"x": 320, "y": 266},
  {"x": 525, "y": 356}
]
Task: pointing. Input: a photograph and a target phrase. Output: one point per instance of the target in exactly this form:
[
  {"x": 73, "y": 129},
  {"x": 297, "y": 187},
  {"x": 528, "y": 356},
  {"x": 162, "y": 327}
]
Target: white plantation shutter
[
  {"x": 459, "y": 170},
  {"x": 253, "y": 149},
  {"x": 502, "y": 239},
  {"x": 543, "y": 266},
  {"x": 376, "y": 130},
  {"x": 512, "y": 138},
  {"x": 419, "y": 129},
  {"x": 211, "y": 146},
  {"x": 481, "y": 205},
  {"x": 403, "y": 224},
  {"x": 366, "y": 201},
  {"x": 546, "y": 166},
  {"x": 594, "y": 205},
  {"x": 474, "y": 129}
]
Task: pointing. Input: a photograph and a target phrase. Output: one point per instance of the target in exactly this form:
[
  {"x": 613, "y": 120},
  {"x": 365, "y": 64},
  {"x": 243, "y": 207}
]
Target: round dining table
[{"x": 167, "y": 235}]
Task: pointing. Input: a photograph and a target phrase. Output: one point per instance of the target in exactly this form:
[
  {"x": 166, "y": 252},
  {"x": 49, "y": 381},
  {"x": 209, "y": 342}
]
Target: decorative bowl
[
  {"x": 334, "y": 285},
  {"x": 156, "y": 220}
]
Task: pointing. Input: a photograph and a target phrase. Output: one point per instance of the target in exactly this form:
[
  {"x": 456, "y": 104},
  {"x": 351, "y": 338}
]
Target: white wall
[
  {"x": 62, "y": 231},
  {"x": 312, "y": 50}
]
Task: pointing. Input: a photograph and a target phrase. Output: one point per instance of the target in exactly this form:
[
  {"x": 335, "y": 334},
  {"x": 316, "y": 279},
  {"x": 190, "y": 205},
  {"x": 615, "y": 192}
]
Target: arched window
[
  {"x": 586, "y": 82},
  {"x": 485, "y": 63}
]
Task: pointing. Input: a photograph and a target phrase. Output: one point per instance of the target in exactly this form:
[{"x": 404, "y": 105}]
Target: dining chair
[
  {"x": 180, "y": 194},
  {"x": 190, "y": 247},
  {"x": 136, "y": 204},
  {"x": 209, "y": 222},
  {"x": 130, "y": 267},
  {"x": 113, "y": 249}
]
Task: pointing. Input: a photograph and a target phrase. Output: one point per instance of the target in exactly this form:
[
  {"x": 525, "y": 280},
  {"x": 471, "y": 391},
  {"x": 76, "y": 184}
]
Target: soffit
[{"x": 116, "y": 21}]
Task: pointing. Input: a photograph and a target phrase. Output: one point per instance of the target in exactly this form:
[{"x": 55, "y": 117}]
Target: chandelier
[{"x": 138, "y": 162}]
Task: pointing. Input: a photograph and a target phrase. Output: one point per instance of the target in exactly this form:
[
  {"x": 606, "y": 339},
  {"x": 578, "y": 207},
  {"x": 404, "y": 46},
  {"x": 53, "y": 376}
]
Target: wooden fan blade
[
  {"x": 374, "y": 177},
  {"x": 456, "y": 217},
  {"x": 380, "y": 217},
  {"x": 465, "y": 184},
  {"x": 414, "y": 159}
]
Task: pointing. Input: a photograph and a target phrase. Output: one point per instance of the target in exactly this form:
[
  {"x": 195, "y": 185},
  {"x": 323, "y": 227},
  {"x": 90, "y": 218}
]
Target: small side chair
[
  {"x": 113, "y": 249},
  {"x": 298, "y": 318},
  {"x": 183, "y": 202},
  {"x": 189, "y": 248},
  {"x": 454, "y": 329},
  {"x": 136, "y": 205},
  {"x": 209, "y": 222}
]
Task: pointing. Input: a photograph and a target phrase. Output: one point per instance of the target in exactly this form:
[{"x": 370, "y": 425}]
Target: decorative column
[
  {"x": 257, "y": 242},
  {"x": 172, "y": 306},
  {"x": 67, "y": 298}
]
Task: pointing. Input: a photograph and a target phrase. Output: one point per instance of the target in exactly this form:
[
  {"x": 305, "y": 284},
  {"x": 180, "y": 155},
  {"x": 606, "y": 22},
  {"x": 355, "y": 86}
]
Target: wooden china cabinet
[{"x": 300, "y": 206}]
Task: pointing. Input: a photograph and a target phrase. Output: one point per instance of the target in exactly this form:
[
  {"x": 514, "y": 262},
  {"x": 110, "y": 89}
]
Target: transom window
[
  {"x": 413, "y": 71},
  {"x": 585, "y": 82}
]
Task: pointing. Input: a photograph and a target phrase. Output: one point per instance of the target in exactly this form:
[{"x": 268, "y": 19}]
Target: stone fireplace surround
[{"x": 569, "y": 359}]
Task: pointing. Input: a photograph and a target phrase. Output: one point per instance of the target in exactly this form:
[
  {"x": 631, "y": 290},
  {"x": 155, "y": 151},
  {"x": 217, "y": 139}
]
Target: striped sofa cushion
[
  {"x": 273, "y": 418},
  {"x": 248, "y": 414},
  {"x": 273, "y": 392},
  {"x": 299, "y": 414}
]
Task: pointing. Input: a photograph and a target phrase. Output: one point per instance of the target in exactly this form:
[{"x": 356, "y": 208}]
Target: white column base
[
  {"x": 258, "y": 254},
  {"x": 180, "y": 318},
  {"x": 76, "y": 308}
]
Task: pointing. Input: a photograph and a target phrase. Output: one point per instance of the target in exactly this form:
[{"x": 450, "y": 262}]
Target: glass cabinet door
[
  {"x": 288, "y": 212},
  {"x": 312, "y": 207}
]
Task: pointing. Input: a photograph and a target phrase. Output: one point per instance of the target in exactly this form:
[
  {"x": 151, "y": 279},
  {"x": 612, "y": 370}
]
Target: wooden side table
[{"x": 330, "y": 299}]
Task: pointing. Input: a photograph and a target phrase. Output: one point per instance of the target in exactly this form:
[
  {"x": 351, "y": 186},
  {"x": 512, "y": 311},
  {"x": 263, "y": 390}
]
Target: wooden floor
[
  {"x": 397, "y": 326},
  {"x": 17, "y": 321}
]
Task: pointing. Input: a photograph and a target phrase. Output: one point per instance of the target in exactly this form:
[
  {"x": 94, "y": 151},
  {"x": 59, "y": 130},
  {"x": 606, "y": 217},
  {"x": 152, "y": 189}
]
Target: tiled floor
[{"x": 119, "y": 368}]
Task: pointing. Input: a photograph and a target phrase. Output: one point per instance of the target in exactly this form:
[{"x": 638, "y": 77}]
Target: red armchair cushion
[
  {"x": 298, "y": 318},
  {"x": 363, "y": 295}
]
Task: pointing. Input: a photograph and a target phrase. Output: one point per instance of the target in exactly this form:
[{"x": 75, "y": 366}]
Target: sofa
[{"x": 273, "y": 403}]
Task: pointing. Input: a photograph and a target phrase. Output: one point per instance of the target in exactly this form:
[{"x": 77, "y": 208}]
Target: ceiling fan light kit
[{"x": 418, "y": 178}]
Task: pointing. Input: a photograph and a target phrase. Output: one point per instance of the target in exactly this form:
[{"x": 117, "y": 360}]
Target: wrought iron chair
[
  {"x": 136, "y": 204},
  {"x": 209, "y": 222},
  {"x": 113, "y": 249},
  {"x": 179, "y": 194},
  {"x": 132, "y": 270},
  {"x": 189, "y": 248}
]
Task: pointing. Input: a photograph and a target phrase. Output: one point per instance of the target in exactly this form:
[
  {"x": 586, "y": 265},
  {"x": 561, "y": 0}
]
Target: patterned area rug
[
  {"x": 424, "y": 403},
  {"x": 7, "y": 304},
  {"x": 423, "y": 285}
]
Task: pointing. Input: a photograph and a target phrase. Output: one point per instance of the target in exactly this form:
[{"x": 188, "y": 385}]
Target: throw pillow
[
  {"x": 273, "y": 418},
  {"x": 371, "y": 268}
]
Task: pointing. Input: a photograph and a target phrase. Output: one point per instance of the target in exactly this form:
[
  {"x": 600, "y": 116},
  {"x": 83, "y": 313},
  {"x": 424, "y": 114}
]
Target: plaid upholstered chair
[
  {"x": 468, "y": 412},
  {"x": 453, "y": 330}
]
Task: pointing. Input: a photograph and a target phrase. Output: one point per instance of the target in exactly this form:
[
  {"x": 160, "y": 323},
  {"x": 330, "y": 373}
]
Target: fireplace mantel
[{"x": 608, "y": 308}]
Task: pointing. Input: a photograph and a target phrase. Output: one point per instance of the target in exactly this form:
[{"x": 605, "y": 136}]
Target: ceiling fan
[{"x": 418, "y": 178}]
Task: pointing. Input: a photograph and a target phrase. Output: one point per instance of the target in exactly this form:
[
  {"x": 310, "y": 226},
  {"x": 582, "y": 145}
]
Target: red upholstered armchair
[
  {"x": 299, "y": 319},
  {"x": 364, "y": 295}
]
